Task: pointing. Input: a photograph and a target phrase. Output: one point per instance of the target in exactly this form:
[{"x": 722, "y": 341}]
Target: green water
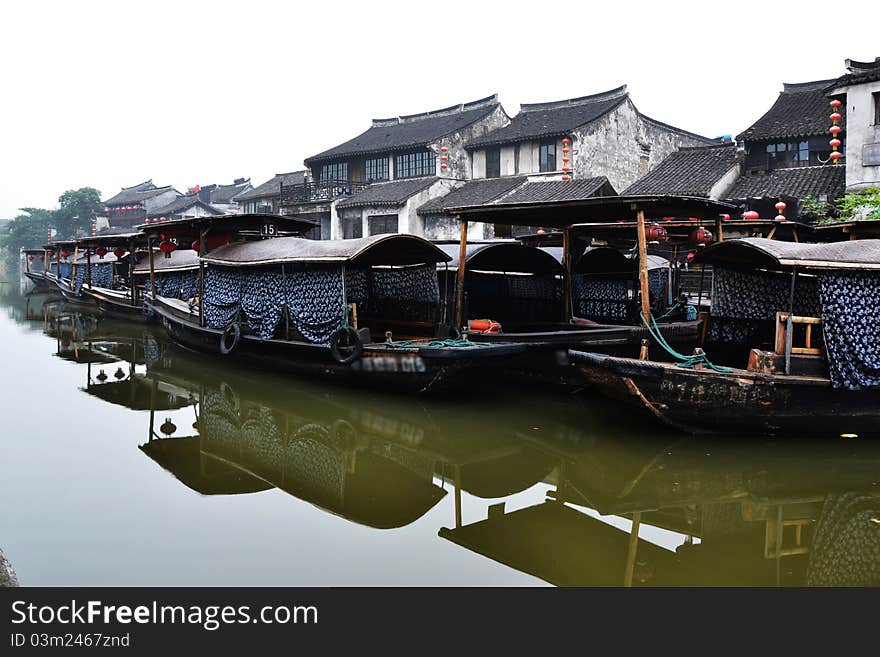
[{"x": 126, "y": 460}]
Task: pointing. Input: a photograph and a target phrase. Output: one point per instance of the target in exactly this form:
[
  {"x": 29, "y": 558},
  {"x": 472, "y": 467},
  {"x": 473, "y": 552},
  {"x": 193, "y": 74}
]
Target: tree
[
  {"x": 27, "y": 230},
  {"x": 76, "y": 209}
]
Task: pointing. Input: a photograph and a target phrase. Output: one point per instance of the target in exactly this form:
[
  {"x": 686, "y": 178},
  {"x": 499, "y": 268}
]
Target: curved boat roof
[
  {"x": 97, "y": 260},
  {"x": 114, "y": 240},
  {"x": 606, "y": 259},
  {"x": 390, "y": 249},
  {"x": 232, "y": 222},
  {"x": 179, "y": 260},
  {"x": 508, "y": 256},
  {"x": 762, "y": 253}
]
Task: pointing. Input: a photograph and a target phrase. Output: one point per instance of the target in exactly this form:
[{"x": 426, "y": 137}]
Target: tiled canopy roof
[
  {"x": 387, "y": 193},
  {"x": 555, "y": 119},
  {"x": 474, "y": 192},
  {"x": 801, "y": 110},
  {"x": 688, "y": 172},
  {"x": 137, "y": 193},
  {"x": 272, "y": 187},
  {"x": 413, "y": 131},
  {"x": 559, "y": 190},
  {"x": 828, "y": 180},
  {"x": 227, "y": 193},
  {"x": 181, "y": 204}
]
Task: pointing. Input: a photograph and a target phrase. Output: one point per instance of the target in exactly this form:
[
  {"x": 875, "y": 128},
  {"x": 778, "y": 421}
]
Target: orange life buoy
[{"x": 483, "y": 326}]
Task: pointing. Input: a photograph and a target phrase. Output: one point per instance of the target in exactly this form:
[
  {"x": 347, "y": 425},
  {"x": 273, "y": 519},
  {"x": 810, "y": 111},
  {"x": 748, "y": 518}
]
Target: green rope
[
  {"x": 690, "y": 311},
  {"x": 687, "y": 362},
  {"x": 448, "y": 343}
]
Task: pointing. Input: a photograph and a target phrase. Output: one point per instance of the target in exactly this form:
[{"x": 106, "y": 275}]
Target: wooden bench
[{"x": 804, "y": 359}]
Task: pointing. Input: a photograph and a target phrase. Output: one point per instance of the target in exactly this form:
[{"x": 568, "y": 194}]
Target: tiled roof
[
  {"x": 859, "y": 72},
  {"x": 413, "y": 131},
  {"x": 555, "y": 119},
  {"x": 387, "y": 193},
  {"x": 688, "y": 172},
  {"x": 226, "y": 193},
  {"x": 181, "y": 204},
  {"x": 273, "y": 187},
  {"x": 474, "y": 192},
  {"x": 137, "y": 193},
  {"x": 828, "y": 180},
  {"x": 559, "y": 190},
  {"x": 801, "y": 110}
]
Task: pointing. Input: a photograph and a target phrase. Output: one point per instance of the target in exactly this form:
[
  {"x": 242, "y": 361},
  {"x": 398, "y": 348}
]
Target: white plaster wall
[
  {"x": 479, "y": 164},
  {"x": 725, "y": 183},
  {"x": 508, "y": 160},
  {"x": 860, "y": 130},
  {"x": 459, "y": 163}
]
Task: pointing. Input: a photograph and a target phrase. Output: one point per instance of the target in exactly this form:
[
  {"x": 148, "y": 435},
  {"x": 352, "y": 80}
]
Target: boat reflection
[{"x": 707, "y": 511}]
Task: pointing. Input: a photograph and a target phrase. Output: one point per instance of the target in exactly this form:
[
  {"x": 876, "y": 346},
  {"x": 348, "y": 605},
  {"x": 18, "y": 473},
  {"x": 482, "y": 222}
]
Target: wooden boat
[
  {"x": 811, "y": 308},
  {"x": 107, "y": 280},
  {"x": 33, "y": 264},
  {"x": 60, "y": 256},
  {"x": 359, "y": 311}
]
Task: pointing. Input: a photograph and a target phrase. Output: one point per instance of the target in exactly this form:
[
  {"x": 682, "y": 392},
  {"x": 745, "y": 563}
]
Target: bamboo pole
[
  {"x": 462, "y": 257},
  {"x": 152, "y": 268},
  {"x": 566, "y": 274},
  {"x": 89, "y": 265},
  {"x": 73, "y": 267},
  {"x": 131, "y": 284},
  {"x": 203, "y": 246},
  {"x": 643, "y": 273},
  {"x": 719, "y": 230}
]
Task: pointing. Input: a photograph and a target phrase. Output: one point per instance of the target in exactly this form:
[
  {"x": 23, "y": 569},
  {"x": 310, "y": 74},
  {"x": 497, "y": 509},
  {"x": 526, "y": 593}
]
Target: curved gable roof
[{"x": 801, "y": 110}]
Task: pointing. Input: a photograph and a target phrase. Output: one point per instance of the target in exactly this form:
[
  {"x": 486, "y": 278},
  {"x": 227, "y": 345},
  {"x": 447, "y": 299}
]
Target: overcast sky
[{"x": 108, "y": 94}]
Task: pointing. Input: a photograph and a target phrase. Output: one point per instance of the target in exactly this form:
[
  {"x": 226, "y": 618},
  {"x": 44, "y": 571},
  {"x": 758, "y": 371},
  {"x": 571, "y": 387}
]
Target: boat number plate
[
  {"x": 404, "y": 363},
  {"x": 268, "y": 230}
]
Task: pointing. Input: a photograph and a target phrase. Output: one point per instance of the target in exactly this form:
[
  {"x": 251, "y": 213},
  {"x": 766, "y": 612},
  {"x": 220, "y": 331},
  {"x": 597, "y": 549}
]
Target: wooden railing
[{"x": 320, "y": 191}]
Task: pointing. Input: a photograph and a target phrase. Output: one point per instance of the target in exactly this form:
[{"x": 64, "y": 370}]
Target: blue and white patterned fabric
[
  {"x": 102, "y": 274},
  {"x": 177, "y": 285},
  {"x": 600, "y": 297},
  {"x": 760, "y": 295},
  {"x": 547, "y": 288},
  {"x": 406, "y": 283},
  {"x": 222, "y": 300},
  {"x": 314, "y": 302},
  {"x": 65, "y": 270},
  {"x": 262, "y": 300},
  {"x": 657, "y": 280},
  {"x": 851, "y": 326}
]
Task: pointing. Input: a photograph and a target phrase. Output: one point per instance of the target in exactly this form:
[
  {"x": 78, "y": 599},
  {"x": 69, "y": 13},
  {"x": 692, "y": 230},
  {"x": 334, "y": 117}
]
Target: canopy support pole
[
  {"x": 89, "y": 265},
  {"x": 462, "y": 264},
  {"x": 789, "y": 324},
  {"x": 719, "y": 230},
  {"x": 643, "y": 272},
  {"x": 203, "y": 245},
  {"x": 152, "y": 268},
  {"x": 566, "y": 274},
  {"x": 73, "y": 267},
  {"x": 131, "y": 284}
]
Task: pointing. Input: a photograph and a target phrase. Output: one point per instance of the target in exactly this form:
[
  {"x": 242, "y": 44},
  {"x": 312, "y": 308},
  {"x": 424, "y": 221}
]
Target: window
[
  {"x": 876, "y": 97},
  {"x": 352, "y": 227},
  {"x": 493, "y": 162},
  {"x": 334, "y": 171},
  {"x": 382, "y": 223},
  {"x": 376, "y": 169},
  {"x": 788, "y": 154},
  {"x": 414, "y": 165},
  {"x": 547, "y": 156}
]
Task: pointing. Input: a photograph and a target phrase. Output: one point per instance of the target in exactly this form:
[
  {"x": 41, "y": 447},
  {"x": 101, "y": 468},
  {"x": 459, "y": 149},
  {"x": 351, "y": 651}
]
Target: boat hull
[
  {"x": 118, "y": 307},
  {"x": 709, "y": 401},
  {"x": 409, "y": 369}
]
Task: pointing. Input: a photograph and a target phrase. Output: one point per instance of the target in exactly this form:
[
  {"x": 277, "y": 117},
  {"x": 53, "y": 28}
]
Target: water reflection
[{"x": 739, "y": 511}]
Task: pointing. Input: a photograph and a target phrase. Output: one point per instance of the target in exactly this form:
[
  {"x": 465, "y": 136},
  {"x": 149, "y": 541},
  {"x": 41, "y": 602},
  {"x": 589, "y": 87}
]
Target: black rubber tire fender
[
  {"x": 233, "y": 330},
  {"x": 352, "y": 352}
]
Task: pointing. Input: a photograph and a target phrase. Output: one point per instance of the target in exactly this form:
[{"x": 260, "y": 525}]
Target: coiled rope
[{"x": 687, "y": 362}]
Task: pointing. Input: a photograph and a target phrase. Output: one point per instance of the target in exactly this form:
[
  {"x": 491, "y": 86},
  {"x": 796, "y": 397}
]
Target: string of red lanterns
[
  {"x": 444, "y": 158},
  {"x": 566, "y": 158},
  {"x": 835, "y": 129}
]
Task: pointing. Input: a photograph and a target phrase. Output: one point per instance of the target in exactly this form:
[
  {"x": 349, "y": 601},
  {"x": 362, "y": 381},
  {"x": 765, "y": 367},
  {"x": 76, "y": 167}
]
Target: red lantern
[
  {"x": 780, "y": 206},
  {"x": 779, "y": 217},
  {"x": 835, "y": 130},
  {"x": 541, "y": 231},
  {"x": 566, "y": 177},
  {"x": 751, "y": 215},
  {"x": 50, "y": 253},
  {"x": 30, "y": 258},
  {"x": 195, "y": 246},
  {"x": 443, "y": 149},
  {"x": 566, "y": 141},
  {"x": 168, "y": 427},
  {"x": 836, "y": 116},
  {"x": 65, "y": 254},
  {"x": 668, "y": 218},
  {"x": 693, "y": 218},
  {"x": 835, "y": 143},
  {"x": 42, "y": 259},
  {"x": 444, "y": 167},
  {"x": 119, "y": 252},
  {"x": 836, "y": 155},
  {"x": 700, "y": 236},
  {"x": 167, "y": 248},
  {"x": 101, "y": 251},
  {"x": 725, "y": 217},
  {"x": 690, "y": 256},
  {"x": 656, "y": 233},
  {"x": 835, "y": 103}
]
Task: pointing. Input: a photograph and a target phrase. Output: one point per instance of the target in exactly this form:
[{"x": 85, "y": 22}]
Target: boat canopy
[
  {"x": 114, "y": 240},
  {"x": 508, "y": 256},
  {"x": 762, "y": 253},
  {"x": 560, "y": 214},
  {"x": 266, "y": 224},
  {"x": 108, "y": 259},
  {"x": 60, "y": 244},
  {"x": 180, "y": 260},
  {"x": 606, "y": 259},
  {"x": 391, "y": 249}
]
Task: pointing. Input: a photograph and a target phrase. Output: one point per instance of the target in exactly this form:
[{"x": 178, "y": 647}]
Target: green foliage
[
  {"x": 860, "y": 206},
  {"x": 813, "y": 209},
  {"x": 26, "y": 230},
  {"x": 77, "y": 207}
]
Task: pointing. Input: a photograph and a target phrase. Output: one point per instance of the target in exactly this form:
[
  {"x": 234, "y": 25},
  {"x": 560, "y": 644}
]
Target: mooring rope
[
  {"x": 447, "y": 343},
  {"x": 687, "y": 362}
]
